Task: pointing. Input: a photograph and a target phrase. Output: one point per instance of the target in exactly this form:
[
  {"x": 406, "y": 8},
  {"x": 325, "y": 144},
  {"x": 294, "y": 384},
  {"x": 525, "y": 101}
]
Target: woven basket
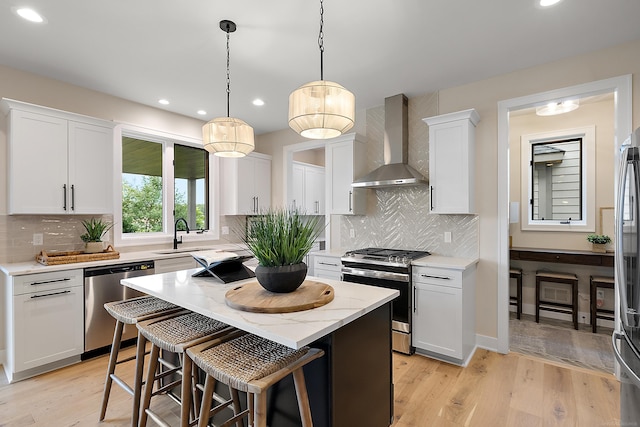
[{"x": 70, "y": 257}]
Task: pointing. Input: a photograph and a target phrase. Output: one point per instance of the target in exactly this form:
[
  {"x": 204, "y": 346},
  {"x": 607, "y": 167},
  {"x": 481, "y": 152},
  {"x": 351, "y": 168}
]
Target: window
[
  {"x": 163, "y": 178},
  {"x": 558, "y": 180},
  {"x": 191, "y": 186}
]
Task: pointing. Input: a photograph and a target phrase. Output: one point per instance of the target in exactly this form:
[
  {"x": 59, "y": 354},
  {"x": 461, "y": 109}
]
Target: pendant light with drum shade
[
  {"x": 227, "y": 136},
  {"x": 321, "y": 109}
]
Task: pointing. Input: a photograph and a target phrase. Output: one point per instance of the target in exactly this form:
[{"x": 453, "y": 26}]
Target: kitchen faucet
[{"x": 175, "y": 232}]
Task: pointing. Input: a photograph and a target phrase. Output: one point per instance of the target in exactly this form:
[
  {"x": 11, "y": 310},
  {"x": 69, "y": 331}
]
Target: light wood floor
[{"x": 494, "y": 390}]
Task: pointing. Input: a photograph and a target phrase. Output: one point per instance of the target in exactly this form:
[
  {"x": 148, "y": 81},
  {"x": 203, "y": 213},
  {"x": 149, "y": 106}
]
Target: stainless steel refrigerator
[{"x": 626, "y": 339}]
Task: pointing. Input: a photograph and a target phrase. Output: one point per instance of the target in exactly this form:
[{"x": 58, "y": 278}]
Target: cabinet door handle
[
  {"x": 317, "y": 206},
  {"x": 64, "y": 196},
  {"x": 44, "y": 282},
  {"x": 327, "y": 263},
  {"x": 350, "y": 194},
  {"x": 50, "y": 295},
  {"x": 435, "y": 277},
  {"x": 431, "y": 196},
  {"x": 294, "y": 204},
  {"x": 257, "y": 204},
  {"x": 73, "y": 197},
  {"x": 415, "y": 300}
]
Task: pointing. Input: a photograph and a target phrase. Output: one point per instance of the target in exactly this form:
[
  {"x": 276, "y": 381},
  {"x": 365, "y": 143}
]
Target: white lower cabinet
[
  {"x": 327, "y": 266},
  {"x": 45, "y": 322},
  {"x": 444, "y": 313}
]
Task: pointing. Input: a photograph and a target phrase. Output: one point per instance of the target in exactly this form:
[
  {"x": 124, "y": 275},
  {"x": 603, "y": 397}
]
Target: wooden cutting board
[{"x": 254, "y": 298}]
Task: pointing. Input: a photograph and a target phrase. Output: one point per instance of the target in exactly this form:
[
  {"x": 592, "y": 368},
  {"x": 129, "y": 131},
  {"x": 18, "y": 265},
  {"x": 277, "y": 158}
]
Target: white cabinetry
[
  {"x": 58, "y": 162},
  {"x": 345, "y": 160},
  {"x": 245, "y": 184},
  {"x": 452, "y": 162},
  {"x": 45, "y": 322},
  {"x": 444, "y": 313},
  {"x": 327, "y": 266},
  {"x": 308, "y": 191}
]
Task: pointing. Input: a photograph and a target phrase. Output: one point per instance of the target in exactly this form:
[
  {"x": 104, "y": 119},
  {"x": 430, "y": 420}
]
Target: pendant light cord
[
  {"x": 321, "y": 40},
  {"x": 228, "y": 74}
]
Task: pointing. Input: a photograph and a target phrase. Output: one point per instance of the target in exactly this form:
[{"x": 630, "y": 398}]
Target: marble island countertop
[{"x": 207, "y": 296}]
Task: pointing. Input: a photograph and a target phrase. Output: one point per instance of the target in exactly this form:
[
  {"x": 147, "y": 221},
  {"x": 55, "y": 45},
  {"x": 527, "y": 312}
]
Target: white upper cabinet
[
  {"x": 58, "y": 162},
  {"x": 245, "y": 184},
  {"x": 452, "y": 162},
  {"x": 308, "y": 188},
  {"x": 345, "y": 160}
]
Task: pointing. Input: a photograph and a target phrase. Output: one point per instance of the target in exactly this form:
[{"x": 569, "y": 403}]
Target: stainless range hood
[{"x": 395, "y": 171}]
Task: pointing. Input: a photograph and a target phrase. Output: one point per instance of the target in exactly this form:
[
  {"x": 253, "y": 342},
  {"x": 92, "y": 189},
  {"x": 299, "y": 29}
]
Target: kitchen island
[{"x": 350, "y": 385}]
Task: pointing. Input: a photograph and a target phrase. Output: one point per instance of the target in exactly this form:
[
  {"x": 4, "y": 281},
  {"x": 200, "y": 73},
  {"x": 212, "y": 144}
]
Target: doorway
[{"x": 620, "y": 87}]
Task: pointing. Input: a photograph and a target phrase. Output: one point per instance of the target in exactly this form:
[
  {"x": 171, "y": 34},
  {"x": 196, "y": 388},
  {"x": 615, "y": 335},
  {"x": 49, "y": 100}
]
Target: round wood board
[{"x": 253, "y": 297}]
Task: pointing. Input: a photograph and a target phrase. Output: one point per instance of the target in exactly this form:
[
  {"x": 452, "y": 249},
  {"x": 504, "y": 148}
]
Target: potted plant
[
  {"x": 598, "y": 242},
  {"x": 95, "y": 230},
  {"x": 280, "y": 239}
]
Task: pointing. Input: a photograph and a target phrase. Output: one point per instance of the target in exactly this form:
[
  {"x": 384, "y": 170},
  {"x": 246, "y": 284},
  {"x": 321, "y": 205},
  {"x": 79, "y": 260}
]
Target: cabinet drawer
[
  {"x": 47, "y": 281},
  {"x": 327, "y": 263},
  {"x": 437, "y": 276}
]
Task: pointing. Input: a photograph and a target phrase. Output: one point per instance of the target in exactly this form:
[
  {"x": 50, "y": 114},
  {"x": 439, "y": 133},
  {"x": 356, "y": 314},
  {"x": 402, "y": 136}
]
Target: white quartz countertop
[
  {"x": 30, "y": 267},
  {"x": 440, "y": 261},
  {"x": 207, "y": 296}
]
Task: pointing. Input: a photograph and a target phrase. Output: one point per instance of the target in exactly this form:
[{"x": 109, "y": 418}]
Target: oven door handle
[{"x": 396, "y": 277}]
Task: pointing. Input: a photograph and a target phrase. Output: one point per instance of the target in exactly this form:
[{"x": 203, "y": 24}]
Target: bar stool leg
[
  {"x": 519, "y": 296},
  {"x": 260, "y": 410},
  {"x": 303, "y": 398},
  {"x": 113, "y": 358},
  {"x": 574, "y": 303},
  {"x": 148, "y": 388},
  {"x": 207, "y": 395},
  {"x": 537, "y": 300},
  {"x": 592, "y": 305},
  {"x": 137, "y": 381},
  {"x": 185, "y": 405}
]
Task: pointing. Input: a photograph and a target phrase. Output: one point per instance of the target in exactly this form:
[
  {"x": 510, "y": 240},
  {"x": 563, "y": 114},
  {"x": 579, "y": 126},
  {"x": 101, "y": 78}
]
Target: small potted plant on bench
[
  {"x": 599, "y": 242},
  {"x": 95, "y": 230}
]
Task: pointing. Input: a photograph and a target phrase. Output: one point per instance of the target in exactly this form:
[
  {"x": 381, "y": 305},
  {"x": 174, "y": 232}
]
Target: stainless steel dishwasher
[{"x": 102, "y": 285}]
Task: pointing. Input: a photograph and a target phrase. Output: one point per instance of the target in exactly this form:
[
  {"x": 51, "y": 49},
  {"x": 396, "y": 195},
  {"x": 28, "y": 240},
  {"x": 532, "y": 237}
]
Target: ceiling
[{"x": 145, "y": 50}]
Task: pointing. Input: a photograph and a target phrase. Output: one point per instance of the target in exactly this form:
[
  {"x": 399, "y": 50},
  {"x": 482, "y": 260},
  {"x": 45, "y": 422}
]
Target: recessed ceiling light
[
  {"x": 163, "y": 101},
  {"x": 258, "y": 102},
  {"x": 29, "y": 14},
  {"x": 547, "y": 3},
  {"x": 202, "y": 112}
]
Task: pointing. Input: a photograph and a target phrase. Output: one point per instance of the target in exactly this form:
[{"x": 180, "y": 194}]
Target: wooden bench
[
  {"x": 596, "y": 282},
  {"x": 559, "y": 278}
]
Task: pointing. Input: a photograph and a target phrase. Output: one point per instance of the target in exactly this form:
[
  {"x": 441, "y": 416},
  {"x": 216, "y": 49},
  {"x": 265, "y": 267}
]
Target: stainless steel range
[{"x": 387, "y": 268}]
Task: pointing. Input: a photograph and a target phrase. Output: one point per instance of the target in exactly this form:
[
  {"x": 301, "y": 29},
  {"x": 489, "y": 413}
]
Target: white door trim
[{"x": 621, "y": 86}]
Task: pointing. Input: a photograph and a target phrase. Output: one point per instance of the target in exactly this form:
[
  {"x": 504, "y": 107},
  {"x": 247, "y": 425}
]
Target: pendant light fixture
[
  {"x": 226, "y": 136},
  {"x": 321, "y": 109}
]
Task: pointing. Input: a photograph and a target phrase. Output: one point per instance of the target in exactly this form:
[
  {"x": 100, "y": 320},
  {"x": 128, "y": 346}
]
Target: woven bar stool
[
  {"x": 251, "y": 364},
  {"x": 174, "y": 333},
  {"x": 130, "y": 312}
]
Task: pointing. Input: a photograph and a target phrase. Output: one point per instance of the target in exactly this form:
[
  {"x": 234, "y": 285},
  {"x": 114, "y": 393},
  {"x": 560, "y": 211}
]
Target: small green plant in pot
[
  {"x": 598, "y": 242},
  {"x": 95, "y": 230},
  {"x": 280, "y": 239}
]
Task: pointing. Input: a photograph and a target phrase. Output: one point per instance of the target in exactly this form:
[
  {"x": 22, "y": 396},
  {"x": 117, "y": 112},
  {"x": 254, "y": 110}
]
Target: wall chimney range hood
[{"x": 395, "y": 171}]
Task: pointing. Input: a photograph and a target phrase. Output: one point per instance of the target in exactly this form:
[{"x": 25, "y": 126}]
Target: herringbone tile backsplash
[{"x": 399, "y": 218}]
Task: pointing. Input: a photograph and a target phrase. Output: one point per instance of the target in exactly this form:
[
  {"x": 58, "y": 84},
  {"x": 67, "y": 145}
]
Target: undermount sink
[{"x": 178, "y": 251}]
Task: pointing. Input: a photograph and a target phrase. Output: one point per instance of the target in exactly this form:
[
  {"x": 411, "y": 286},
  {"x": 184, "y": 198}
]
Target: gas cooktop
[{"x": 383, "y": 256}]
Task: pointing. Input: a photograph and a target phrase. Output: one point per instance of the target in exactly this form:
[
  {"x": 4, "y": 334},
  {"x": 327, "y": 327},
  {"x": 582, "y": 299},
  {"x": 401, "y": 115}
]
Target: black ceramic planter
[{"x": 283, "y": 278}]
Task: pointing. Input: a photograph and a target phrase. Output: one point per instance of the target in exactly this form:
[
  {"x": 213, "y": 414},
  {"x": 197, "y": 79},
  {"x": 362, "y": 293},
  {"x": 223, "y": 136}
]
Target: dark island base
[{"x": 350, "y": 386}]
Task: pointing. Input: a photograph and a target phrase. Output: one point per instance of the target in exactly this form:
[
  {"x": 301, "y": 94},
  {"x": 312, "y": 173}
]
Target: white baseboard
[
  {"x": 487, "y": 343},
  {"x": 583, "y": 317}
]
